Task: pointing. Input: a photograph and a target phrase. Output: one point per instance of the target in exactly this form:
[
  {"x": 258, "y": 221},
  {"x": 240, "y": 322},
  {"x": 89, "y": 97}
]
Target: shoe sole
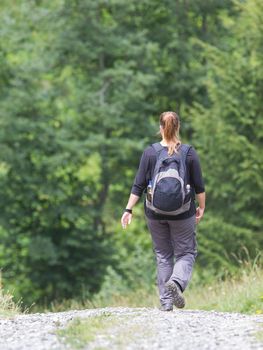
[
  {"x": 178, "y": 299},
  {"x": 168, "y": 309}
]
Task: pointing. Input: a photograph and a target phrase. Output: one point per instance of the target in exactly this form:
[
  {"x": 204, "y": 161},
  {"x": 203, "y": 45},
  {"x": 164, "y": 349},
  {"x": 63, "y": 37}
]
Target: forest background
[{"x": 82, "y": 85}]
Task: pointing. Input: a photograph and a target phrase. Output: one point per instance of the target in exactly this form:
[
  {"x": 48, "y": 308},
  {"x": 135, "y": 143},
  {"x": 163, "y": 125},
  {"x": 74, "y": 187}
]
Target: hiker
[{"x": 170, "y": 175}]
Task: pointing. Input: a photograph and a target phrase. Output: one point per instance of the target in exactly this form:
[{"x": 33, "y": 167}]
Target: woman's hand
[
  {"x": 126, "y": 219},
  {"x": 199, "y": 214}
]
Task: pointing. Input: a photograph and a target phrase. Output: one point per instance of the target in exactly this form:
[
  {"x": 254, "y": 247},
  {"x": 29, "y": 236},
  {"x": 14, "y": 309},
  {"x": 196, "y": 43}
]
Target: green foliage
[
  {"x": 53, "y": 234},
  {"x": 229, "y": 135},
  {"x": 222, "y": 245}
]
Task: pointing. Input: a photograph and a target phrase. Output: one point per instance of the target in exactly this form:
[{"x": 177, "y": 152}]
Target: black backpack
[{"x": 170, "y": 194}]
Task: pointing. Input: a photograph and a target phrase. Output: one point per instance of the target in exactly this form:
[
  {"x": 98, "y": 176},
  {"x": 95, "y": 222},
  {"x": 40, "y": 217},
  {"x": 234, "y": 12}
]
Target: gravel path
[{"x": 144, "y": 328}]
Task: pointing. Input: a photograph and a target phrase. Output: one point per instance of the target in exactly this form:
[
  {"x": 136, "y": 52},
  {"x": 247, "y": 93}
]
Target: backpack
[{"x": 170, "y": 194}]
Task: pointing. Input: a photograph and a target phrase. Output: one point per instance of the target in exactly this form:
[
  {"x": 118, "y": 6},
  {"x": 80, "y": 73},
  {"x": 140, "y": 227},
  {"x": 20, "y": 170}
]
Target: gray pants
[{"x": 173, "y": 240}]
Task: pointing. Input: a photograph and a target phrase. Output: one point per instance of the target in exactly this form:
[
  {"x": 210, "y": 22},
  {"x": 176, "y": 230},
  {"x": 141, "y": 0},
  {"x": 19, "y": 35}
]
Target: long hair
[{"x": 170, "y": 123}]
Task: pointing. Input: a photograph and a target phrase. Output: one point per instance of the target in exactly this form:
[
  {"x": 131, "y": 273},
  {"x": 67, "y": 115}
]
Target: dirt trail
[{"x": 139, "y": 328}]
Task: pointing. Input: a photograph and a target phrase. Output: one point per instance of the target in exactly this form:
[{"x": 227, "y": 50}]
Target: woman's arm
[
  {"x": 201, "y": 206},
  {"x": 127, "y": 217},
  {"x": 138, "y": 187},
  {"x": 133, "y": 199},
  {"x": 196, "y": 179}
]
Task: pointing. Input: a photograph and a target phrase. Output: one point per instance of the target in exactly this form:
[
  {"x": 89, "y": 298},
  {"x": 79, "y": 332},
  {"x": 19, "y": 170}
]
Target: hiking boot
[
  {"x": 166, "y": 307},
  {"x": 177, "y": 295}
]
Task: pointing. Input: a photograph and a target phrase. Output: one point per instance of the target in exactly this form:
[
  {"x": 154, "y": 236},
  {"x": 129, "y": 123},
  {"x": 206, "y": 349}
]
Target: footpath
[{"x": 139, "y": 328}]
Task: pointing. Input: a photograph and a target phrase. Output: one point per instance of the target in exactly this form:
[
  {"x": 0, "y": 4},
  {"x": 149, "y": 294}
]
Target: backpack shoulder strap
[
  {"x": 157, "y": 147},
  {"x": 184, "y": 148}
]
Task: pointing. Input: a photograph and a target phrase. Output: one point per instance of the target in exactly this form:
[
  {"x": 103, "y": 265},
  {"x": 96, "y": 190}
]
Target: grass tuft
[
  {"x": 107, "y": 329},
  {"x": 80, "y": 332},
  {"x": 8, "y": 307},
  {"x": 259, "y": 335}
]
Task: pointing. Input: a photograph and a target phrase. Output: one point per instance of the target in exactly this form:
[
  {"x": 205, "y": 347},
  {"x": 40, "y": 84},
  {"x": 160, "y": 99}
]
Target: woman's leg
[
  {"x": 183, "y": 237},
  {"x": 164, "y": 253}
]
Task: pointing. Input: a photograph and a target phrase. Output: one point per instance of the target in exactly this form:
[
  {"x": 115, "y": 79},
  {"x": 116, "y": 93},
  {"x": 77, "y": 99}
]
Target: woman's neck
[{"x": 165, "y": 143}]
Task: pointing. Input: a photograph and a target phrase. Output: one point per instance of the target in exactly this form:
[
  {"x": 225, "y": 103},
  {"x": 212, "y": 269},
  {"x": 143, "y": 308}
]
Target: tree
[{"x": 229, "y": 133}]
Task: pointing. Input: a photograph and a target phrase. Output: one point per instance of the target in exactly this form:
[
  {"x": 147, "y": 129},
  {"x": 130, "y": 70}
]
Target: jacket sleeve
[
  {"x": 140, "y": 181},
  {"x": 196, "y": 177}
]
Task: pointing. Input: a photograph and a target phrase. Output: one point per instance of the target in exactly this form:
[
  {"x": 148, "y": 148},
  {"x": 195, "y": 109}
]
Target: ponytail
[{"x": 170, "y": 123}]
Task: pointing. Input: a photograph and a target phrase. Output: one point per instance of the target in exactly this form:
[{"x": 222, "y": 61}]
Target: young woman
[{"x": 173, "y": 237}]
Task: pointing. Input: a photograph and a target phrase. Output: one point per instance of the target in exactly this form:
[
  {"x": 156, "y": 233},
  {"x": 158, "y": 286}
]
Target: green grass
[
  {"x": 116, "y": 330},
  {"x": 243, "y": 293},
  {"x": 8, "y": 307},
  {"x": 259, "y": 334},
  {"x": 140, "y": 298},
  {"x": 80, "y": 332}
]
